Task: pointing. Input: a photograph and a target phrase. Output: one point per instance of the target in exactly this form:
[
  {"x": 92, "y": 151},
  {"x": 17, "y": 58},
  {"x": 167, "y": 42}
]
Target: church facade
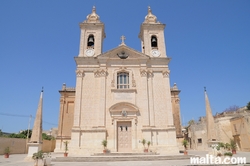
[{"x": 122, "y": 95}]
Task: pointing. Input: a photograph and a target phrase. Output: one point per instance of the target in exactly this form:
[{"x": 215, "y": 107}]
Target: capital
[
  {"x": 143, "y": 72},
  {"x": 166, "y": 73},
  {"x": 79, "y": 73}
]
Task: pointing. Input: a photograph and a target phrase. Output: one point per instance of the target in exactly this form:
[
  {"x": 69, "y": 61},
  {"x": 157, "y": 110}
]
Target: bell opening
[
  {"x": 154, "y": 41},
  {"x": 91, "y": 41}
]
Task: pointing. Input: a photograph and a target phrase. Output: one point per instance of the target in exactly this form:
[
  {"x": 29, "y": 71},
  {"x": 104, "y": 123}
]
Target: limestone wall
[
  {"x": 48, "y": 145},
  {"x": 18, "y": 145},
  {"x": 224, "y": 132},
  {"x": 198, "y": 133},
  {"x": 240, "y": 127}
]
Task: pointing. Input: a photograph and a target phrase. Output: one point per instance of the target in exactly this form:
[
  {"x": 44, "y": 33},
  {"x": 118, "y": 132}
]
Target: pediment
[{"x": 132, "y": 53}]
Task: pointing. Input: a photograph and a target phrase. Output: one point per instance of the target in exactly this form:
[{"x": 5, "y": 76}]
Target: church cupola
[
  {"x": 93, "y": 17},
  {"x": 150, "y": 18},
  {"x": 152, "y": 36},
  {"x": 92, "y": 35}
]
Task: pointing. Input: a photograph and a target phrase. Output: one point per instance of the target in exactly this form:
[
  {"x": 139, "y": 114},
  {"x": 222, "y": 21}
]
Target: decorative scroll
[
  {"x": 133, "y": 81},
  {"x": 113, "y": 83},
  {"x": 122, "y": 69},
  {"x": 100, "y": 73}
]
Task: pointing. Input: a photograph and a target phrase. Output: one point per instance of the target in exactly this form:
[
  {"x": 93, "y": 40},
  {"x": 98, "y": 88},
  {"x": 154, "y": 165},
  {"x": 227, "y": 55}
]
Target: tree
[
  {"x": 22, "y": 134},
  {"x": 47, "y": 137},
  {"x": 25, "y": 132},
  {"x": 232, "y": 108},
  {"x": 1, "y": 133},
  {"x": 191, "y": 122},
  {"x": 13, "y": 135},
  {"x": 248, "y": 105}
]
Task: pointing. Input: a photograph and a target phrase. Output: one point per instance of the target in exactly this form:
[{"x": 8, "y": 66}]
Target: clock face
[
  {"x": 90, "y": 52},
  {"x": 155, "y": 53}
]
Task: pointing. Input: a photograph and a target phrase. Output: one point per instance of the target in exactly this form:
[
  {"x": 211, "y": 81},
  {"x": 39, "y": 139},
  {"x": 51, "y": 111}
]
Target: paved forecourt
[{"x": 18, "y": 160}]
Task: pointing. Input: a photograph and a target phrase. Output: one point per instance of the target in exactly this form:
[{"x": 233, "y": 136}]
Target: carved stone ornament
[
  {"x": 166, "y": 73},
  {"x": 124, "y": 113},
  {"x": 100, "y": 73},
  {"x": 79, "y": 73},
  {"x": 113, "y": 83},
  {"x": 136, "y": 121},
  {"x": 177, "y": 101},
  {"x": 93, "y": 17},
  {"x": 122, "y": 69},
  {"x": 133, "y": 81},
  {"x": 122, "y": 55},
  {"x": 150, "y": 73},
  {"x": 143, "y": 72},
  {"x": 150, "y": 18}
]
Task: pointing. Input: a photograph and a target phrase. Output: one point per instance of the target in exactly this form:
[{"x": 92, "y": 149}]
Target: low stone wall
[
  {"x": 48, "y": 146},
  {"x": 18, "y": 145}
]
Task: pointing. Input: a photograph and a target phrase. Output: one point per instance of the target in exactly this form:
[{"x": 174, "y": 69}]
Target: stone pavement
[{"x": 18, "y": 160}]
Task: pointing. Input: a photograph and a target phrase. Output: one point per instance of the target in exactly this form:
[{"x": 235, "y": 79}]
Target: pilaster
[
  {"x": 151, "y": 97},
  {"x": 78, "y": 97},
  {"x": 144, "y": 89},
  {"x": 170, "y": 121},
  {"x": 101, "y": 74}
]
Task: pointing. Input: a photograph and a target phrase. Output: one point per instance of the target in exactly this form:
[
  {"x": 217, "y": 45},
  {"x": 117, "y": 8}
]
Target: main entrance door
[{"x": 124, "y": 141}]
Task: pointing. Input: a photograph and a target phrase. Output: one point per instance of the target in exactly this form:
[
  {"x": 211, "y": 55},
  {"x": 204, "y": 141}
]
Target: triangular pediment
[{"x": 123, "y": 49}]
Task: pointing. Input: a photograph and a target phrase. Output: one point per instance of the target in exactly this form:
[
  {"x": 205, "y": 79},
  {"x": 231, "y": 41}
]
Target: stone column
[
  {"x": 151, "y": 98},
  {"x": 78, "y": 98},
  {"x": 144, "y": 89},
  {"x": 102, "y": 110},
  {"x": 170, "y": 121},
  {"x": 75, "y": 136}
]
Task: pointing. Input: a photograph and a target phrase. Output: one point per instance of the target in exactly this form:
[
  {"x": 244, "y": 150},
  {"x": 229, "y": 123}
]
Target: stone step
[
  {"x": 124, "y": 154},
  {"x": 121, "y": 158}
]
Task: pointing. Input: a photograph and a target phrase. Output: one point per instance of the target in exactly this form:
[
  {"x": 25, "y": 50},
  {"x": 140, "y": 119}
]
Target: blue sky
[{"x": 208, "y": 41}]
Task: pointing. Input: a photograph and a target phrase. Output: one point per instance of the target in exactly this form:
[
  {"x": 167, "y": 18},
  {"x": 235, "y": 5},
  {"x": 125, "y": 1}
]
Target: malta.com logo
[{"x": 210, "y": 159}]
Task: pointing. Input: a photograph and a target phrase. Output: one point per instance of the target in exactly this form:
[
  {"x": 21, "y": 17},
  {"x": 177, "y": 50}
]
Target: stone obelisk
[
  {"x": 209, "y": 120},
  {"x": 35, "y": 143}
]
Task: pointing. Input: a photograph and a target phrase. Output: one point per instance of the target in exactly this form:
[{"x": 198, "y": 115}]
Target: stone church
[{"x": 122, "y": 95}]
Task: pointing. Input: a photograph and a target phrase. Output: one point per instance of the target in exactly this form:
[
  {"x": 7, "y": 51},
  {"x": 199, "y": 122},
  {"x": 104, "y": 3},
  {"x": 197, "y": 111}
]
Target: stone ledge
[{"x": 121, "y": 158}]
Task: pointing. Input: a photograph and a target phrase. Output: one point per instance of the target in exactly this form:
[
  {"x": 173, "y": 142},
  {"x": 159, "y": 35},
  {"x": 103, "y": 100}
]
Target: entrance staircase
[{"x": 108, "y": 157}]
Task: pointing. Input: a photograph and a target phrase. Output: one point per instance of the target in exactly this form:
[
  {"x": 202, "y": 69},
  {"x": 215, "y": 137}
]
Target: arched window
[
  {"x": 123, "y": 80},
  {"x": 154, "y": 42},
  {"x": 91, "y": 41}
]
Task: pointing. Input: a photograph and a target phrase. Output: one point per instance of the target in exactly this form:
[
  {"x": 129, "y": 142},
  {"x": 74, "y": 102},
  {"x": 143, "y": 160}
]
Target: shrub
[{"x": 228, "y": 154}]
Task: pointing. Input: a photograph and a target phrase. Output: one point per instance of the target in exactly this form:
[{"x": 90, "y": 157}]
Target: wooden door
[{"x": 124, "y": 137}]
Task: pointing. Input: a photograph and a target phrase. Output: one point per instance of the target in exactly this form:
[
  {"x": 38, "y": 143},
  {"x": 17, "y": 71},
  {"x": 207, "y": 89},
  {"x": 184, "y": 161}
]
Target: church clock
[
  {"x": 90, "y": 52},
  {"x": 155, "y": 53}
]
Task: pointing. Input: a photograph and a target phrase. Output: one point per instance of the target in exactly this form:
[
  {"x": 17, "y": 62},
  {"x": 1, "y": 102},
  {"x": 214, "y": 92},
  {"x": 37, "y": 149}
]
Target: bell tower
[
  {"x": 92, "y": 35},
  {"x": 152, "y": 36}
]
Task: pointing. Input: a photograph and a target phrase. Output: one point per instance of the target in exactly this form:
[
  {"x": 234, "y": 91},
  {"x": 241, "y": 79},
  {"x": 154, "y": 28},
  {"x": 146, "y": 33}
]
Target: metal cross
[{"x": 123, "y": 39}]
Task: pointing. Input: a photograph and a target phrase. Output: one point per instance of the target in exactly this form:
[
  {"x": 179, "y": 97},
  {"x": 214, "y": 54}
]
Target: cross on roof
[{"x": 123, "y": 39}]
